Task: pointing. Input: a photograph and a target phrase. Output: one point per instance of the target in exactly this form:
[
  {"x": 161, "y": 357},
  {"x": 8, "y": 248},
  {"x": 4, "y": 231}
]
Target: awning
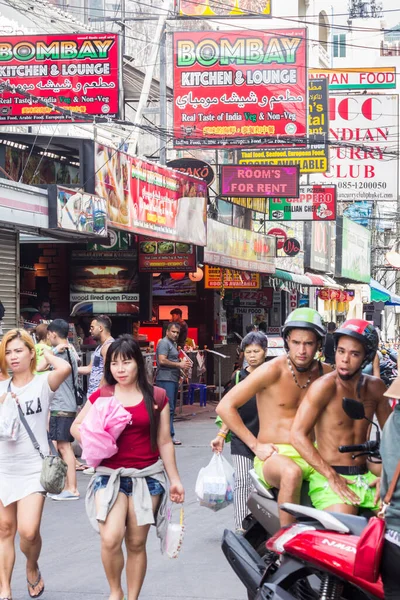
[
  {"x": 380, "y": 294},
  {"x": 309, "y": 279},
  {"x": 286, "y": 276}
]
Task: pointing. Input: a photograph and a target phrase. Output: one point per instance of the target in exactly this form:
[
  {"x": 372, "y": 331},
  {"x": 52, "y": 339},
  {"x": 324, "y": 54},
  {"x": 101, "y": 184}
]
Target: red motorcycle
[{"x": 313, "y": 559}]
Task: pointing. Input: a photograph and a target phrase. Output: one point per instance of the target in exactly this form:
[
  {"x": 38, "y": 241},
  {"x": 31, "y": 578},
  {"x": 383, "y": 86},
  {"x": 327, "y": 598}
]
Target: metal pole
[
  {"x": 163, "y": 98},
  {"x": 219, "y": 379}
]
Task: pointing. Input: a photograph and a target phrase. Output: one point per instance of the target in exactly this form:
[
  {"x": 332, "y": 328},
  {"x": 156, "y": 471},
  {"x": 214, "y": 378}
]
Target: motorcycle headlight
[{"x": 277, "y": 542}]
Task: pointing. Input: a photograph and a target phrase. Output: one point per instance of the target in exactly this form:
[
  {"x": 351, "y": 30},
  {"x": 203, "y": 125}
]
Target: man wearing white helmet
[{"x": 279, "y": 386}]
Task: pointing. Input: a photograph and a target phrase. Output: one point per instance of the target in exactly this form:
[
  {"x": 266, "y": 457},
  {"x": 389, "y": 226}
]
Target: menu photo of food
[
  {"x": 165, "y": 256},
  {"x": 112, "y": 183},
  {"x": 102, "y": 278}
]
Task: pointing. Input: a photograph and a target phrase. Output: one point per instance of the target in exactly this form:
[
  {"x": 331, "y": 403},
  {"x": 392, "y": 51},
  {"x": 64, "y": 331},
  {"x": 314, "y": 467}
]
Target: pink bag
[{"x": 101, "y": 428}]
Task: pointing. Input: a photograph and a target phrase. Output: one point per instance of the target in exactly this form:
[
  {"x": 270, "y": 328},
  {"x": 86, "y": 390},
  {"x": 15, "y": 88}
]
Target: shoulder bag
[
  {"x": 78, "y": 391},
  {"x": 54, "y": 469},
  {"x": 370, "y": 545}
]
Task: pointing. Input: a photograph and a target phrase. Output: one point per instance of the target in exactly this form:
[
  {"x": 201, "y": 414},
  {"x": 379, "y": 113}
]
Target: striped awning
[{"x": 309, "y": 279}]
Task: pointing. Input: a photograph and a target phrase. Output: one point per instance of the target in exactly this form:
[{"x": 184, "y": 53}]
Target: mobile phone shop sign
[
  {"x": 253, "y": 181},
  {"x": 235, "y": 88},
  {"x": 76, "y": 72}
]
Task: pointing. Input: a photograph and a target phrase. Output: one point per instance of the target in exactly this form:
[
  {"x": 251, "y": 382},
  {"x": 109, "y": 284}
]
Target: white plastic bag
[
  {"x": 214, "y": 485},
  {"x": 9, "y": 420},
  {"x": 174, "y": 536}
]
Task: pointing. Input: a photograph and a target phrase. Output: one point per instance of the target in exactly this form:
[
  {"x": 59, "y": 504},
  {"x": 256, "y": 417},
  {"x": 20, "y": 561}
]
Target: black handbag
[{"x": 79, "y": 393}]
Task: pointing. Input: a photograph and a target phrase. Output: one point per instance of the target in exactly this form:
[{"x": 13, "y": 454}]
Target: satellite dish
[{"x": 393, "y": 256}]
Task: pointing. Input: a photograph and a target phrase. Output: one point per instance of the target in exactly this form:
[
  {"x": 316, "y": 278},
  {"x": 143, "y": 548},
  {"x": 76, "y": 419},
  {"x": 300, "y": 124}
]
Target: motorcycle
[{"x": 312, "y": 559}]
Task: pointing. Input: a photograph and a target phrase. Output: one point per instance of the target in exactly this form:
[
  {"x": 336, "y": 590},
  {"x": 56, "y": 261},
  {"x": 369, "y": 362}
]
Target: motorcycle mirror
[{"x": 353, "y": 408}]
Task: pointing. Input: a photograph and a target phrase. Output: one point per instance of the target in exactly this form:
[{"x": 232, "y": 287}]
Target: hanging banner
[
  {"x": 75, "y": 71},
  {"x": 158, "y": 256},
  {"x": 254, "y": 181},
  {"x": 314, "y": 158},
  {"x": 150, "y": 199},
  {"x": 364, "y": 147},
  {"x": 232, "y": 279},
  {"x": 77, "y": 211},
  {"x": 315, "y": 203},
  {"x": 212, "y": 8},
  {"x": 235, "y": 88},
  {"x": 237, "y": 248},
  {"x": 373, "y": 78}
]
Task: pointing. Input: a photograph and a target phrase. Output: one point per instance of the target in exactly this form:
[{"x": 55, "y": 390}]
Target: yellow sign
[
  {"x": 232, "y": 8},
  {"x": 232, "y": 279},
  {"x": 310, "y": 160}
]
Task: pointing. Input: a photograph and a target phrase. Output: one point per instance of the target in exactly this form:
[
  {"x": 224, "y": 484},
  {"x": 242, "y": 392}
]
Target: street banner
[
  {"x": 315, "y": 203},
  {"x": 75, "y": 71},
  {"x": 232, "y": 8},
  {"x": 158, "y": 256},
  {"x": 364, "y": 147},
  {"x": 314, "y": 158},
  {"x": 372, "y": 78},
  {"x": 150, "y": 199},
  {"x": 235, "y": 88},
  {"x": 252, "y": 181},
  {"x": 232, "y": 279},
  {"x": 77, "y": 211},
  {"x": 237, "y": 248}
]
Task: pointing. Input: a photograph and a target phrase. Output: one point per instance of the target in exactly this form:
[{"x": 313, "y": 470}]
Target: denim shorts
[{"x": 125, "y": 485}]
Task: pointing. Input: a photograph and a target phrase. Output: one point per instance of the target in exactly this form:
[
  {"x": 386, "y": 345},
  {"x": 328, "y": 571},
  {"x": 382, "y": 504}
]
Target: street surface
[{"x": 70, "y": 560}]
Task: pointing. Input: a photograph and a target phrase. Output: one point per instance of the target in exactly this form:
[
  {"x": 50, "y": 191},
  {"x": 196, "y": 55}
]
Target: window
[{"x": 339, "y": 46}]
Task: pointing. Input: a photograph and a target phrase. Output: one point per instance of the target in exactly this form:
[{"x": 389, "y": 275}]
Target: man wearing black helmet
[
  {"x": 279, "y": 387},
  {"x": 339, "y": 482}
]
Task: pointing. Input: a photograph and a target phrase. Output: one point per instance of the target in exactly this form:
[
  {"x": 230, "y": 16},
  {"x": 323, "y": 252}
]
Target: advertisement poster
[
  {"x": 364, "y": 164},
  {"x": 353, "y": 251},
  {"x": 166, "y": 286},
  {"x": 149, "y": 199},
  {"x": 254, "y": 181},
  {"x": 312, "y": 159},
  {"x": 99, "y": 277},
  {"x": 315, "y": 203},
  {"x": 235, "y": 88},
  {"x": 372, "y": 78},
  {"x": 77, "y": 71},
  {"x": 237, "y": 248},
  {"x": 232, "y": 8},
  {"x": 77, "y": 211},
  {"x": 261, "y": 298},
  {"x": 162, "y": 256},
  {"x": 232, "y": 279},
  {"x": 317, "y": 245}
]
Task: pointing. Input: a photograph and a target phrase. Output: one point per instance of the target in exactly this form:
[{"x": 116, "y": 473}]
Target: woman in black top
[{"x": 254, "y": 346}]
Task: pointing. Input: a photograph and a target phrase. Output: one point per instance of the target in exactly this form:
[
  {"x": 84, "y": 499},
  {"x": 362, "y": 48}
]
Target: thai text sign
[
  {"x": 239, "y": 248},
  {"x": 314, "y": 158},
  {"x": 76, "y": 72},
  {"x": 353, "y": 251},
  {"x": 149, "y": 199},
  {"x": 160, "y": 255},
  {"x": 374, "y": 78},
  {"x": 231, "y": 279},
  {"x": 364, "y": 163},
  {"x": 315, "y": 203},
  {"x": 212, "y": 8},
  {"x": 252, "y": 181},
  {"x": 240, "y": 87}
]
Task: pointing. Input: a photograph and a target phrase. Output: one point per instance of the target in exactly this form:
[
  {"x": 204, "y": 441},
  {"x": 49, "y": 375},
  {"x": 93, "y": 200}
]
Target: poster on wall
[
  {"x": 212, "y": 8},
  {"x": 314, "y": 203},
  {"x": 149, "y": 199},
  {"x": 75, "y": 71},
  {"x": 235, "y": 88},
  {"x": 163, "y": 256},
  {"x": 77, "y": 211},
  {"x": 232, "y": 279}
]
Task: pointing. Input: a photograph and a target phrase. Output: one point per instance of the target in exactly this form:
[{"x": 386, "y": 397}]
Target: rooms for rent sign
[{"x": 240, "y": 88}]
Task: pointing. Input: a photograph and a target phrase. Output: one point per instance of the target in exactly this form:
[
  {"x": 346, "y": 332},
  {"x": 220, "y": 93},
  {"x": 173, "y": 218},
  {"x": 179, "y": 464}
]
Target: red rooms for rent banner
[{"x": 236, "y": 88}]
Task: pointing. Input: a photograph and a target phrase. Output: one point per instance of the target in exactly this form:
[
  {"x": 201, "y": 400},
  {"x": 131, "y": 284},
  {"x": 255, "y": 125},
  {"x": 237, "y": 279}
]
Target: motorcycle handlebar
[{"x": 370, "y": 446}]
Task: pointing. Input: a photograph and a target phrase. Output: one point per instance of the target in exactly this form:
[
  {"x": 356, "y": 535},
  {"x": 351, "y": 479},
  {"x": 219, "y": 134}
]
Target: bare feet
[{"x": 35, "y": 583}]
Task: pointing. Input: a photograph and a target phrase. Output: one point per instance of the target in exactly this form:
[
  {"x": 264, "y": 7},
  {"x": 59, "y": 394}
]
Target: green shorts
[
  {"x": 322, "y": 495},
  {"x": 290, "y": 452}
]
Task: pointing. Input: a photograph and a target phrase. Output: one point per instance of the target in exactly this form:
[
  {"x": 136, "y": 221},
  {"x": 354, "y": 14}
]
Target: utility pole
[{"x": 163, "y": 98}]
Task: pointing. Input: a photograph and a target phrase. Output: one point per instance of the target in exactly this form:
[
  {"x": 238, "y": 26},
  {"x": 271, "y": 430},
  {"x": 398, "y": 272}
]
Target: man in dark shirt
[
  {"x": 176, "y": 317},
  {"x": 329, "y": 345}
]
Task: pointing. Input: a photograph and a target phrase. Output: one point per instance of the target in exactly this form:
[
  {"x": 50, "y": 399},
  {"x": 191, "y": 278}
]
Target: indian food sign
[
  {"x": 158, "y": 256},
  {"x": 235, "y": 88},
  {"x": 149, "y": 199},
  {"x": 76, "y": 72}
]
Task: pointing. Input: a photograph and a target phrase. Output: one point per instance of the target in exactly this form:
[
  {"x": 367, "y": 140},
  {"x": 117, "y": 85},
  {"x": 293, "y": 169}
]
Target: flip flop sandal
[{"x": 33, "y": 585}]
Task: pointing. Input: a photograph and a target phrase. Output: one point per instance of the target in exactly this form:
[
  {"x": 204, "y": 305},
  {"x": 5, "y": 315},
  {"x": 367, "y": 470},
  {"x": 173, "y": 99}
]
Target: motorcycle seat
[{"x": 354, "y": 523}]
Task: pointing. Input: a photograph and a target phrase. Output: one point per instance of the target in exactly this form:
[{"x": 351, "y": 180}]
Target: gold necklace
[{"x": 302, "y": 387}]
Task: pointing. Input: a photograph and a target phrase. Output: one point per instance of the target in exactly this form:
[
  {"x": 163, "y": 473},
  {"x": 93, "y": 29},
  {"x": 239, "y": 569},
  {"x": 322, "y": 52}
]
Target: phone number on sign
[{"x": 362, "y": 185}]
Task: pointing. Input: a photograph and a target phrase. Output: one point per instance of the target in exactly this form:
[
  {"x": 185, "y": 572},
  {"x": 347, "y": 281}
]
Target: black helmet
[
  {"x": 304, "y": 318},
  {"x": 362, "y": 331}
]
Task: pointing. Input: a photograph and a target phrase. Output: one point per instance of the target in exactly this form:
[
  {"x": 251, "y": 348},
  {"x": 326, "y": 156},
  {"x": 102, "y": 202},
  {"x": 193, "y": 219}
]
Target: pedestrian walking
[
  {"x": 100, "y": 330},
  {"x": 176, "y": 317},
  {"x": 21, "y": 494},
  {"x": 130, "y": 487},
  {"x": 169, "y": 367},
  {"x": 254, "y": 347}
]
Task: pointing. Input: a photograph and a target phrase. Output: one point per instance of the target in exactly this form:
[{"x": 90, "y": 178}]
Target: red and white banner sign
[
  {"x": 314, "y": 203},
  {"x": 236, "y": 88},
  {"x": 76, "y": 71}
]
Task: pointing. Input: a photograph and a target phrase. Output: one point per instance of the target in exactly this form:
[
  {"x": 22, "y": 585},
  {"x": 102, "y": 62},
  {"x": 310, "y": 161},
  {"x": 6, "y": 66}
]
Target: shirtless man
[
  {"x": 279, "y": 386},
  {"x": 339, "y": 483}
]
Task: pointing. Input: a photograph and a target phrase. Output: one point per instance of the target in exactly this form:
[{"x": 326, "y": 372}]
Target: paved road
[{"x": 70, "y": 559}]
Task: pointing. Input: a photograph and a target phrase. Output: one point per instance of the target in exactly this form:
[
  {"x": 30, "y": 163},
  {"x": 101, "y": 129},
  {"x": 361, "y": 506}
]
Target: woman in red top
[{"x": 144, "y": 440}]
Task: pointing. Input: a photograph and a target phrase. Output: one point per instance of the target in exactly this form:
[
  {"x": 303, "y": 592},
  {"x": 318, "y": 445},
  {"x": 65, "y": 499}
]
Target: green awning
[{"x": 380, "y": 294}]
